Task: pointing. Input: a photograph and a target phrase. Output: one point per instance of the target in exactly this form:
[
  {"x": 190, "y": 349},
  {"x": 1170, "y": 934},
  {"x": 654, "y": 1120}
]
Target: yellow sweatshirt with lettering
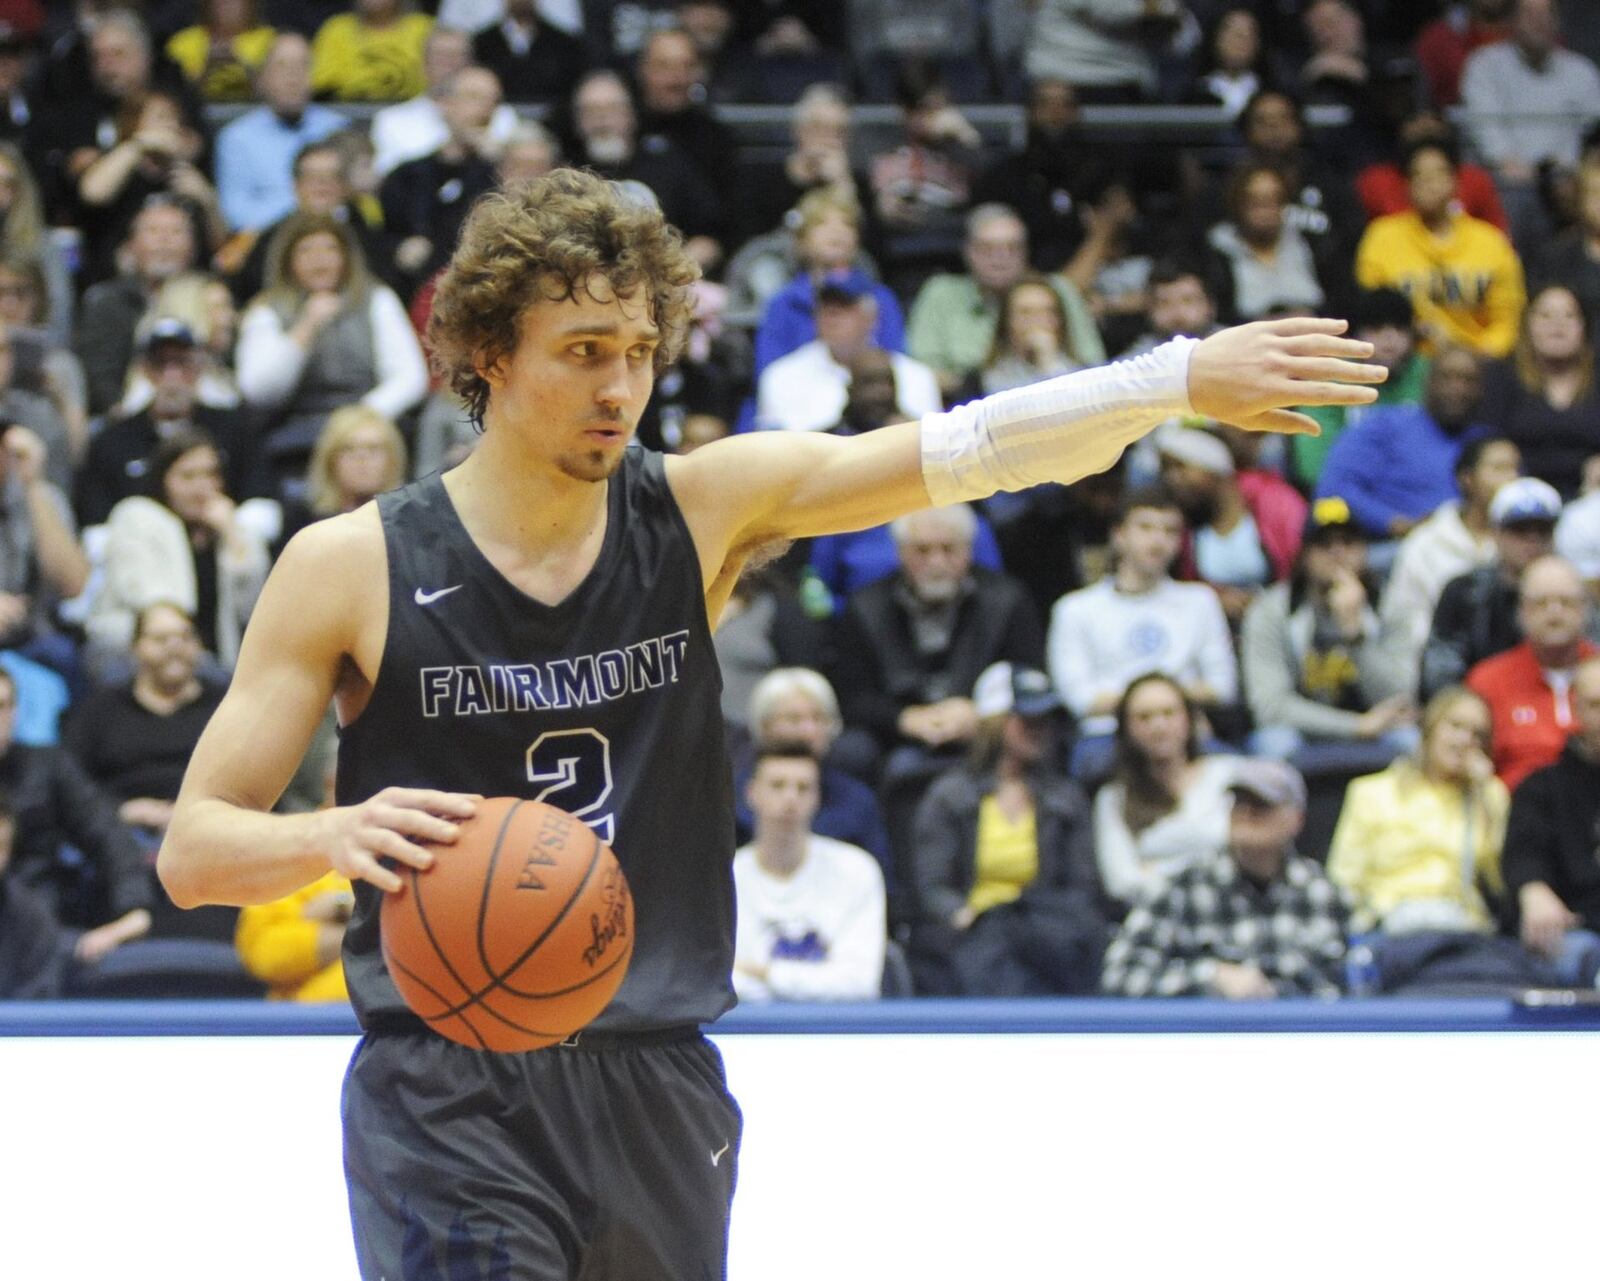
[{"x": 1466, "y": 285}]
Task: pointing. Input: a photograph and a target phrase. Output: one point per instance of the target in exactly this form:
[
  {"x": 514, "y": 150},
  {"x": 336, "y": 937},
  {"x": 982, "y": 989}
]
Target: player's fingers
[
  {"x": 1294, "y": 326},
  {"x": 1331, "y": 369},
  {"x": 391, "y": 844},
  {"x": 450, "y": 804},
  {"x": 1326, "y": 345},
  {"x": 364, "y": 867},
  {"x": 416, "y": 823},
  {"x": 1326, "y": 393},
  {"x": 1286, "y": 421}
]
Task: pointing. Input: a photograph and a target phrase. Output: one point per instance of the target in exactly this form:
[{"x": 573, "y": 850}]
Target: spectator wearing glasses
[{"x": 1529, "y": 687}]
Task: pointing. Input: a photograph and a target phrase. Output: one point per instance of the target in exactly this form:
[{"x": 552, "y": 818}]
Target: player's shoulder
[
  {"x": 344, "y": 553},
  {"x": 704, "y": 476}
]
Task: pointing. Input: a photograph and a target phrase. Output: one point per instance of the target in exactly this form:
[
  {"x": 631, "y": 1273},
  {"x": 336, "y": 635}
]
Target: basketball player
[{"x": 537, "y": 622}]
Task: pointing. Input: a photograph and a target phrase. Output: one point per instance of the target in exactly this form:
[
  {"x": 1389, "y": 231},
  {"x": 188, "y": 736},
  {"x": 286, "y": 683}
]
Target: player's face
[
  {"x": 579, "y": 378},
  {"x": 784, "y": 792}
]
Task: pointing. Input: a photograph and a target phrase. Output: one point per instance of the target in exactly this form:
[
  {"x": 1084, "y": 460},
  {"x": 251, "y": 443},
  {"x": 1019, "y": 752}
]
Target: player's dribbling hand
[
  {"x": 388, "y": 826},
  {"x": 1252, "y": 375}
]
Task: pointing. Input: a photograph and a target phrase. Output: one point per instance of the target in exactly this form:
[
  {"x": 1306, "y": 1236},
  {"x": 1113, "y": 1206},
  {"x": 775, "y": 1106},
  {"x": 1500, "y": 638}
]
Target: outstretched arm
[{"x": 779, "y": 485}]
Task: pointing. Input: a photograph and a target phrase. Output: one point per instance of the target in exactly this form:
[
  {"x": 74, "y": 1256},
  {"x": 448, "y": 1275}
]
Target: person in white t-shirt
[
  {"x": 1136, "y": 620},
  {"x": 812, "y": 919}
]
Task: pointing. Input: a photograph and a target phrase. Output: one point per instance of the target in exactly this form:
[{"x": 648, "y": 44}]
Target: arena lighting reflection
[{"x": 910, "y": 1139}]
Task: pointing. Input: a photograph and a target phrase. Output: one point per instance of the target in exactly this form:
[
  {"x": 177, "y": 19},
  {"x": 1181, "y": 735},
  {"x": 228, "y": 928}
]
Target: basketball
[{"x": 518, "y": 935}]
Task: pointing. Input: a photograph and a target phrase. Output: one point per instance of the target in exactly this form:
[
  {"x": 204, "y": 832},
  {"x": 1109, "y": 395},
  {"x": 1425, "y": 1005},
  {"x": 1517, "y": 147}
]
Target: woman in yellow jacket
[
  {"x": 1418, "y": 845},
  {"x": 1463, "y": 277},
  {"x": 293, "y": 944}
]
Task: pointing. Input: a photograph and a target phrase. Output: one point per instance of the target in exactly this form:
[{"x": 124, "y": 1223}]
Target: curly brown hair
[{"x": 542, "y": 241}]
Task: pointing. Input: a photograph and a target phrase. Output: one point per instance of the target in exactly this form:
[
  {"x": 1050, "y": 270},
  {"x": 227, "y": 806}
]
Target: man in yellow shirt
[{"x": 1462, "y": 275}]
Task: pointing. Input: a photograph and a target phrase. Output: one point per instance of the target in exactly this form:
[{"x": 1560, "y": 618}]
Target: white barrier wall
[{"x": 882, "y": 1156}]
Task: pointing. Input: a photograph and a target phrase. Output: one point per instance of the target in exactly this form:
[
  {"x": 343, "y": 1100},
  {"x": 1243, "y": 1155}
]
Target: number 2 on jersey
[{"x": 575, "y": 765}]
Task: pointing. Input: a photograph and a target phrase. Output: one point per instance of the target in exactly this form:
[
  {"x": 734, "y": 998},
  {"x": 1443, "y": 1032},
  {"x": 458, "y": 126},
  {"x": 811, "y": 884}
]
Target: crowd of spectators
[{"x": 1216, "y": 720}]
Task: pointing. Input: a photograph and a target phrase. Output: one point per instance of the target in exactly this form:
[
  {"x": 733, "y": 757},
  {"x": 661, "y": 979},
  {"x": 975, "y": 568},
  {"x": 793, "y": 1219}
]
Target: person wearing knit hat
[{"x": 1225, "y": 545}]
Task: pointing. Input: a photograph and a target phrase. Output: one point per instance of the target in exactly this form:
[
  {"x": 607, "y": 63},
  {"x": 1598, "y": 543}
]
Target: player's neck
[{"x": 500, "y": 486}]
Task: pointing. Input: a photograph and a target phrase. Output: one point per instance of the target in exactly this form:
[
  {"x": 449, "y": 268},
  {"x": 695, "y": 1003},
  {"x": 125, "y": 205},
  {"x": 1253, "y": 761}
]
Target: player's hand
[
  {"x": 1252, "y": 375},
  {"x": 388, "y": 826}
]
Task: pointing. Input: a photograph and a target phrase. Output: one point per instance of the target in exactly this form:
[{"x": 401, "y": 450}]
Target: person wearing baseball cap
[
  {"x": 1254, "y": 921},
  {"x": 1004, "y": 876},
  {"x": 1476, "y": 617},
  {"x": 1319, "y": 672},
  {"x": 1456, "y": 539}
]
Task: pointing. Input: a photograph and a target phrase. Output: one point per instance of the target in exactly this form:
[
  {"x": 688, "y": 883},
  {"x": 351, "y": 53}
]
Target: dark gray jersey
[{"x": 605, "y": 705}]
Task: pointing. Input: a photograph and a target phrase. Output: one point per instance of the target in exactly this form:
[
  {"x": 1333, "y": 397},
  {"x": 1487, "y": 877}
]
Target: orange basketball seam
[{"x": 499, "y": 980}]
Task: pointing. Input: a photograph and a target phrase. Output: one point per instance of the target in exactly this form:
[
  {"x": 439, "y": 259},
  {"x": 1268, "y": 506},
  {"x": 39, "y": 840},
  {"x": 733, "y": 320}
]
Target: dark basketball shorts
[{"x": 610, "y": 1160}]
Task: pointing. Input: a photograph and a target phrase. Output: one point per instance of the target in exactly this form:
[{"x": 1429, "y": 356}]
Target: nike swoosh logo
[
  {"x": 427, "y": 598},
  {"x": 717, "y": 1155}
]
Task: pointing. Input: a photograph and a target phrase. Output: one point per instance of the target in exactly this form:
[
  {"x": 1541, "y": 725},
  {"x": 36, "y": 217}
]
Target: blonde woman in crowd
[
  {"x": 1418, "y": 845},
  {"x": 323, "y": 334},
  {"x": 358, "y": 456}
]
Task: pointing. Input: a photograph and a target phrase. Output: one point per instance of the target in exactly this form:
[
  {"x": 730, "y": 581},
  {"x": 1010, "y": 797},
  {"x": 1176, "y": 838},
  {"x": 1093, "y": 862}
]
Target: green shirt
[{"x": 1309, "y": 453}]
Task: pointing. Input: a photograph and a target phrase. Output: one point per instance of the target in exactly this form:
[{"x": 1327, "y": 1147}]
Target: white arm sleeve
[{"x": 1059, "y": 430}]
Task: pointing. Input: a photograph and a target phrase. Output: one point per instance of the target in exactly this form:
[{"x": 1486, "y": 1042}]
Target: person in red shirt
[
  {"x": 1443, "y": 45},
  {"x": 1529, "y": 688},
  {"x": 1382, "y": 187}
]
